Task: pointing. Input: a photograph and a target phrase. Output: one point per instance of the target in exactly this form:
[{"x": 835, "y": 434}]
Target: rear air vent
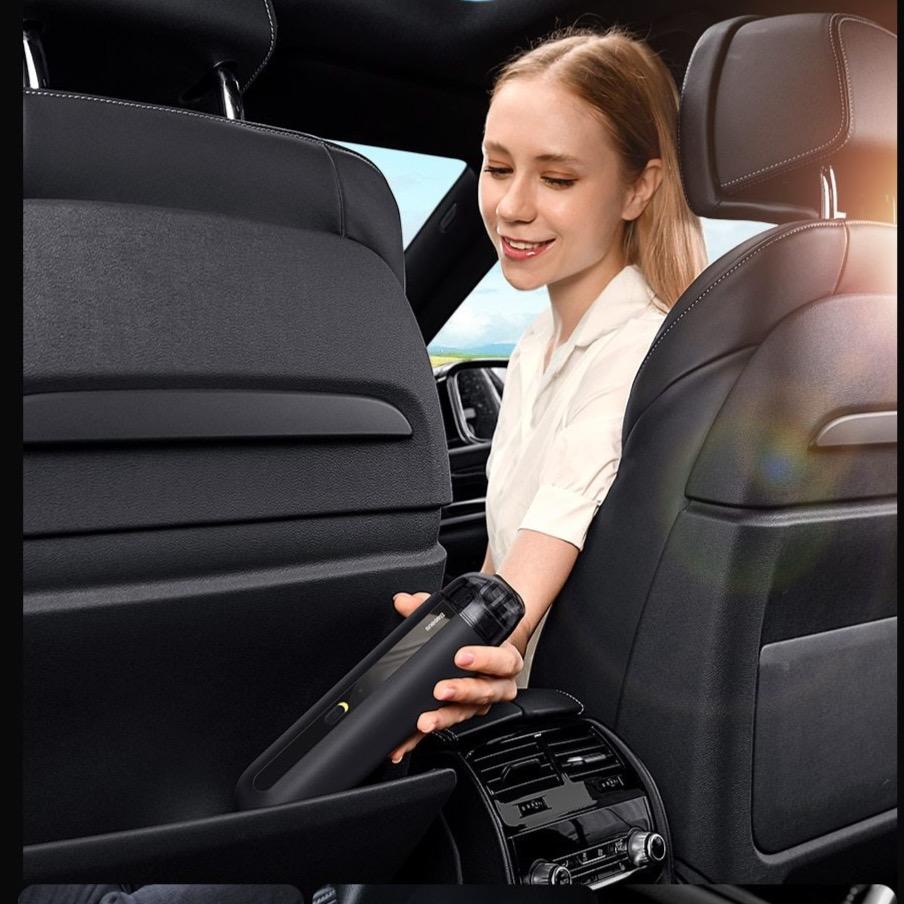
[
  {"x": 515, "y": 768},
  {"x": 579, "y": 751}
]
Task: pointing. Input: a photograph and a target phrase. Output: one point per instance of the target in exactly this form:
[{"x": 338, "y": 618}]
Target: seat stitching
[
  {"x": 684, "y": 81},
  {"x": 269, "y": 52},
  {"x": 850, "y": 102},
  {"x": 338, "y": 192},
  {"x": 844, "y": 104},
  {"x": 234, "y": 123},
  {"x": 727, "y": 273},
  {"x": 580, "y": 705}
]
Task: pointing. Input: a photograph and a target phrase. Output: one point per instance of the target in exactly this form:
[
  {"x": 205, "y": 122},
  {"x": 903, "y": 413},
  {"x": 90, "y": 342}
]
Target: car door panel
[{"x": 463, "y": 529}]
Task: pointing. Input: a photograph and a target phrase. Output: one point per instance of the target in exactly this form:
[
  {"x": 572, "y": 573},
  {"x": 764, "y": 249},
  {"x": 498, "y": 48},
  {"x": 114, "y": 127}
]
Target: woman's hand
[{"x": 495, "y": 671}]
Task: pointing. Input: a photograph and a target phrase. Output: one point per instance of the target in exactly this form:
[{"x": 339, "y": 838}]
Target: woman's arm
[
  {"x": 536, "y": 566},
  {"x": 488, "y": 567}
]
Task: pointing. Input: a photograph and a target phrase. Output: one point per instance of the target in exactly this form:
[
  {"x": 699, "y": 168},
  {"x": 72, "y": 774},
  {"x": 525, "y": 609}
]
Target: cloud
[{"x": 470, "y": 326}]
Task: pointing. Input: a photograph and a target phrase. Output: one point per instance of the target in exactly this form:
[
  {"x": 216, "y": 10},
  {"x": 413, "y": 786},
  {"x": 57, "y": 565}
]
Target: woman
[{"x": 580, "y": 192}]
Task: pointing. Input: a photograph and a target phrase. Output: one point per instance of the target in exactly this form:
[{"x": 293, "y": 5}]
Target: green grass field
[{"x": 436, "y": 360}]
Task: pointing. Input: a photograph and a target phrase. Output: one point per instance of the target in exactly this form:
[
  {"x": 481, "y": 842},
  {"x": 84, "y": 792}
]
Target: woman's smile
[{"x": 519, "y": 250}]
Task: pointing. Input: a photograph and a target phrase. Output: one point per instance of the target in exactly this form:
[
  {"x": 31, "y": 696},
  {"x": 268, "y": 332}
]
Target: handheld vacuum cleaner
[{"x": 342, "y": 738}]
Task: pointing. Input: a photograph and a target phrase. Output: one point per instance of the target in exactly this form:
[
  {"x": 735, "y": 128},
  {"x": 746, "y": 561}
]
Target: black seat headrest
[
  {"x": 155, "y": 51},
  {"x": 767, "y": 102}
]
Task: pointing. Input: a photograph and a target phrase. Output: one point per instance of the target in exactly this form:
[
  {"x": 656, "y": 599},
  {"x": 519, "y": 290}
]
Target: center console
[{"x": 548, "y": 796}]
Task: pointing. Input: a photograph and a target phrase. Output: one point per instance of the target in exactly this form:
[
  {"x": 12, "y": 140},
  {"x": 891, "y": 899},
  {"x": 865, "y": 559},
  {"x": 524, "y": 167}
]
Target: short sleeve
[
  {"x": 583, "y": 459},
  {"x": 582, "y": 464}
]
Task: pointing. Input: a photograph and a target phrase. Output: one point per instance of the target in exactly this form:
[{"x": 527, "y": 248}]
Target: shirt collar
[{"x": 625, "y": 296}]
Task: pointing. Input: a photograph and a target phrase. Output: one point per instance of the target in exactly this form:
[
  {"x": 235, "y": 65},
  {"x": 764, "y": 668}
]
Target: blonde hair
[{"x": 629, "y": 86}]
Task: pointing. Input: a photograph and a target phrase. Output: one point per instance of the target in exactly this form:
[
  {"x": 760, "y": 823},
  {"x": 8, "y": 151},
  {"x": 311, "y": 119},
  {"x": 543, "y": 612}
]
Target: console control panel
[{"x": 571, "y": 804}]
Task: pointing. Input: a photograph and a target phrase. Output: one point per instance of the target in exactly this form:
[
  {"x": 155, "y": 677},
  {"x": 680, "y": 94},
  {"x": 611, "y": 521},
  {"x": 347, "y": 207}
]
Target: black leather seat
[
  {"x": 733, "y": 614},
  {"x": 233, "y": 444}
]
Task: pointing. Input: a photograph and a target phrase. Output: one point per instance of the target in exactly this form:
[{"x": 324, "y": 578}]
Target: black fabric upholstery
[
  {"x": 750, "y": 84},
  {"x": 186, "y": 600},
  {"x": 162, "y": 157},
  {"x": 804, "y": 733},
  {"x": 760, "y": 451},
  {"x": 141, "y": 297},
  {"x": 108, "y": 47},
  {"x": 301, "y": 843}
]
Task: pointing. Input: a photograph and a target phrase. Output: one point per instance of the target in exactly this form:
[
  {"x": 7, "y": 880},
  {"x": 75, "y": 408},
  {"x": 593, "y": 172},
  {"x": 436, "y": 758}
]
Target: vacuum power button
[{"x": 336, "y": 713}]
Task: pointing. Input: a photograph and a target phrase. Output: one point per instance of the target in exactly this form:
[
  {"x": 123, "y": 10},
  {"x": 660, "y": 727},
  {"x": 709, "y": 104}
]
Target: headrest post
[
  {"x": 230, "y": 93},
  {"x": 34, "y": 64},
  {"x": 829, "y": 195}
]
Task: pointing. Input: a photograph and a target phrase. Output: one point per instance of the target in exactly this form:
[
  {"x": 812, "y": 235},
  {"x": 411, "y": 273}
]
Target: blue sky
[{"x": 494, "y": 311}]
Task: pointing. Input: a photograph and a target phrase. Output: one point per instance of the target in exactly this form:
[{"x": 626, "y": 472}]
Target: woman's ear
[{"x": 642, "y": 190}]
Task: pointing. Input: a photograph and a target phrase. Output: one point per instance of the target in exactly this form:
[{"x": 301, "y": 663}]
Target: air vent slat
[
  {"x": 520, "y": 772},
  {"x": 515, "y": 769},
  {"x": 592, "y": 770},
  {"x": 566, "y": 749},
  {"x": 580, "y": 752},
  {"x": 505, "y": 754}
]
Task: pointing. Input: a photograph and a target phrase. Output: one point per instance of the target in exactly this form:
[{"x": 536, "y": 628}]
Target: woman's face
[{"x": 552, "y": 194}]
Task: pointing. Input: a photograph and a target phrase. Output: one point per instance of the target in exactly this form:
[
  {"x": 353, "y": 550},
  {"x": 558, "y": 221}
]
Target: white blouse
[{"x": 557, "y": 443}]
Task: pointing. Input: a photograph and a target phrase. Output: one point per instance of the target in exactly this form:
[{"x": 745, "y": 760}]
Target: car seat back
[
  {"x": 732, "y": 614},
  {"x": 234, "y": 452}
]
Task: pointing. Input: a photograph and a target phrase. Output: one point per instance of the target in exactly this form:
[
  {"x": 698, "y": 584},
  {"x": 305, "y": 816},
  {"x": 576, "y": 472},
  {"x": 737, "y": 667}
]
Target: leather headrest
[
  {"x": 767, "y": 102},
  {"x": 155, "y": 51}
]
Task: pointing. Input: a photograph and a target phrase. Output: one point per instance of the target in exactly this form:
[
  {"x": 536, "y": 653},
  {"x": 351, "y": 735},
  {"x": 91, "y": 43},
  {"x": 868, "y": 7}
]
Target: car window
[
  {"x": 490, "y": 320},
  {"x": 488, "y": 323},
  {"x": 418, "y": 181}
]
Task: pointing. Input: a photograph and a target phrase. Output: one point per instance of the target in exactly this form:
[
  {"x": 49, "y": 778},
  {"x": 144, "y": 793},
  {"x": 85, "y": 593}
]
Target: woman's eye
[
  {"x": 559, "y": 183},
  {"x": 497, "y": 170}
]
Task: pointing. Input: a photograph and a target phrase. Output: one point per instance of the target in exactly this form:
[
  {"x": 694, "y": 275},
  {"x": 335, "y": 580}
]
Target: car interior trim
[
  {"x": 211, "y": 117},
  {"x": 271, "y": 22},
  {"x": 147, "y": 415},
  {"x": 34, "y": 64},
  {"x": 862, "y": 429},
  {"x": 731, "y": 270},
  {"x": 879, "y": 894}
]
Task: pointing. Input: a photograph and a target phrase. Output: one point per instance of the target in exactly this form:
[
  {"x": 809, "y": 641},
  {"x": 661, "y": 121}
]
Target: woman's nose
[{"x": 517, "y": 204}]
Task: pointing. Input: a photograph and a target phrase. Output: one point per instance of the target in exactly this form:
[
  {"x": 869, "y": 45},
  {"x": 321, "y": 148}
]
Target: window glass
[
  {"x": 418, "y": 181},
  {"x": 490, "y": 320}
]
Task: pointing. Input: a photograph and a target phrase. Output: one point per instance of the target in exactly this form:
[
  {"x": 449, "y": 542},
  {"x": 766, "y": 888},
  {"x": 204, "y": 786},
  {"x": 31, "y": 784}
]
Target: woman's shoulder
[
  {"x": 646, "y": 318},
  {"x": 618, "y": 355},
  {"x": 654, "y": 307}
]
